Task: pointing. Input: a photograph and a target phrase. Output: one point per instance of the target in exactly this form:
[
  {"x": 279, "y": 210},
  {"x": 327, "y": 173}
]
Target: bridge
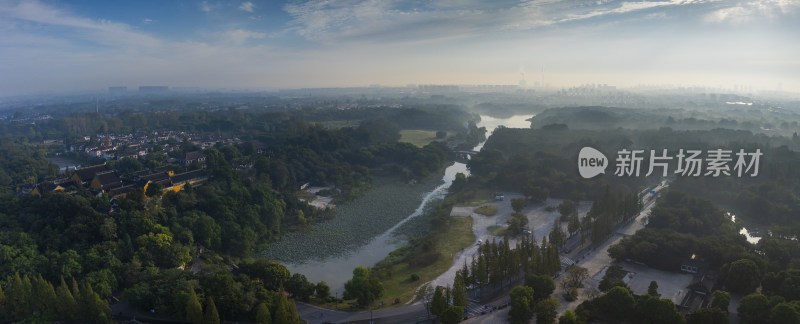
[{"x": 465, "y": 155}]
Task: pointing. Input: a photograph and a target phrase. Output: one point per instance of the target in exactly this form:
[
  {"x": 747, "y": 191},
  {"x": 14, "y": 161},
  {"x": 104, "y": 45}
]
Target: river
[{"x": 337, "y": 269}]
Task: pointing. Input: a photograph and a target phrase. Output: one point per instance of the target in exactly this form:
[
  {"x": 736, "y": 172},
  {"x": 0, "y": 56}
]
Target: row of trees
[
  {"x": 497, "y": 263},
  {"x": 34, "y": 298}
]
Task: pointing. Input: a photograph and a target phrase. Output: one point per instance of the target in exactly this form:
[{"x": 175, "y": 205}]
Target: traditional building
[
  {"x": 195, "y": 156},
  {"x": 83, "y": 176}
]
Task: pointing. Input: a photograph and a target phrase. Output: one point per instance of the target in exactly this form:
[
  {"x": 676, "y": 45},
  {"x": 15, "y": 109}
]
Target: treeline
[
  {"x": 749, "y": 119},
  {"x": 607, "y": 213},
  {"x": 253, "y": 123},
  {"x": 541, "y": 163},
  {"x": 257, "y": 289},
  {"x": 618, "y": 305}
]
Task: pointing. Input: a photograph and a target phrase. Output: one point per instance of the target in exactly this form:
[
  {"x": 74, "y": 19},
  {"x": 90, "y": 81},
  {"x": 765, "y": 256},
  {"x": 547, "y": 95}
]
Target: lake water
[
  {"x": 63, "y": 163},
  {"x": 336, "y": 270},
  {"x": 745, "y": 232}
]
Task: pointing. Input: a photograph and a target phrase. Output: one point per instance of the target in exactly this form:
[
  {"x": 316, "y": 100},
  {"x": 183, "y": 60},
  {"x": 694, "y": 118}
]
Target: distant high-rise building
[
  {"x": 117, "y": 90},
  {"x": 153, "y": 89}
]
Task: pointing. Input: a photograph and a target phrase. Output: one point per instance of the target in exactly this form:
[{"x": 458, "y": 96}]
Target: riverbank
[{"x": 455, "y": 238}]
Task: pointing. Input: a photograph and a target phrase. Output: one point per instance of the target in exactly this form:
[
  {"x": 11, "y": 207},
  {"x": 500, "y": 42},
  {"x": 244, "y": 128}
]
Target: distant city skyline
[{"x": 63, "y": 46}]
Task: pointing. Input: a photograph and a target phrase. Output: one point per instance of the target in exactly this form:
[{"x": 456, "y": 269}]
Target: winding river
[{"x": 336, "y": 270}]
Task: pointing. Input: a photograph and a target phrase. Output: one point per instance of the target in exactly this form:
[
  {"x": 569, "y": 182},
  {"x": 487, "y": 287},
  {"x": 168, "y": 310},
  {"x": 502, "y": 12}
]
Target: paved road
[
  {"x": 403, "y": 314},
  {"x": 595, "y": 259}
]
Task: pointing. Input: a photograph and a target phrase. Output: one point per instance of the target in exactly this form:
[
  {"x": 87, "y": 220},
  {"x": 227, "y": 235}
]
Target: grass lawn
[
  {"x": 419, "y": 137},
  {"x": 400, "y": 286},
  {"x": 486, "y": 210},
  {"x": 475, "y": 198},
  {"x": 497, "y": 230}
]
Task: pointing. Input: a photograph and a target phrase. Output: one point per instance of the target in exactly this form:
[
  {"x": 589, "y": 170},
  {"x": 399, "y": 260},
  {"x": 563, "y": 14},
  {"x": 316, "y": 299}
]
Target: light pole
[{"x": 370, "y": 317}]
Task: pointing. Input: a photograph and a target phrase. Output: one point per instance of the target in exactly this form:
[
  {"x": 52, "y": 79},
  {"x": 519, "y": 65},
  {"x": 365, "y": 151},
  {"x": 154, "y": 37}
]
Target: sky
[{"x": 63, "y": 46}]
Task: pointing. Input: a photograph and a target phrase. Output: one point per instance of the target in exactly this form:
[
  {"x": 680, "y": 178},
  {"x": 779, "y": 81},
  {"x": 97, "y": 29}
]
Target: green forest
[{"x": 80, "y": 249}]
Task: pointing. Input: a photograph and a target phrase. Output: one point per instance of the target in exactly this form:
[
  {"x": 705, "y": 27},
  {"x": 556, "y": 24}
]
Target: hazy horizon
[{"x": 55, "y": 46}]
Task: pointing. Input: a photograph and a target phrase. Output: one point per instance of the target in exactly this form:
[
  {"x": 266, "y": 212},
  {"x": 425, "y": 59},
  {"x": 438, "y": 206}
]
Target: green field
[
  {"x": 487, "y": 210},
  {"x": 458, "y": 236},
  {"x": 497, "y": 230},
  {"x": 419, "y": 137}
]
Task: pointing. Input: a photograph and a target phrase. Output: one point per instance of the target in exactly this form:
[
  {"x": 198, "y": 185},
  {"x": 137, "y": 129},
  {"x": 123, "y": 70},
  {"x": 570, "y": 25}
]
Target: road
[
  {"x": 403, "y": 314},
  {"x": 596, "y": 259}
]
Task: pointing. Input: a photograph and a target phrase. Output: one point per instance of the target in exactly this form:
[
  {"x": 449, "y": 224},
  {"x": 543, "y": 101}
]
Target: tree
[
  {"x": 3, "y": 302},
  {"x": 363, "y": 287},
  {"x": 575, "y": 276},
  {"x": 211, "y": 315},
  {"x": 322, "y": 290},
  {"x": 656, "y": 310},
  {"x": 518, "y": 204},
  {"x": 542, "y": 285},
  {"x": 557, "y": 236},
  {"x": 300, "y": 286},
  {"x": 272, "y": 274},
  {"x": 753, "y": 309},
  {"x": 452, "y": 315},
  {"x": 285, "y": 311},
  {"x": 617, "y": 303},
  {"x": 439, "y": 303},
  {"x": 743, "y": 276},
  {"x": 547, "y": 310},
  {"x": 262, "y": 314},
  {"x": 574, "y": 224},
  {"x": 707, "y": 316},
  {"x": 721, "y": 300},
  {"x": 517, "y": 223},
  {"x": 568, "y": 317},
  {"x": 459, "y": 291},
  {"x": 535, "y": 194},
  {"x": 566, "y": 209},
  {"x": 154, "y": 190},
  {"x": 44, "y": 298},
  {"x": 784, "y": 313},
  {"x": 652, "y": 290},
  {"x": 19, "y": 292},
  {"x": 92, "y": 307},
  {"x": 194, "y": 311},
  {"x": 522, "y": 301}
]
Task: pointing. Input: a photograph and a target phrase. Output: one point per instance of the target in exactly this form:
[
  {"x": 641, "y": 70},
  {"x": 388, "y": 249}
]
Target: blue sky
[{"x": 87, "y": 45}]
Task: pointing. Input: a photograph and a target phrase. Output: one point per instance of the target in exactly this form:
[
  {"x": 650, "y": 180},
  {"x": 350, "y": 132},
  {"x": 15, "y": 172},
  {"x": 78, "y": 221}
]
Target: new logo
[{"x": 591, "y": 162}]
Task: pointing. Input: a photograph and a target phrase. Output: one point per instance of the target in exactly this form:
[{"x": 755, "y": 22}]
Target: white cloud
[
  {"x": 749, "y": 11},
  {"x": 736, "y": 14},
  {"x": 247, "y": 6},
  {"x": 240, "y": 36},
  {"x": 327, "y": 19},
  {"x": 205, "y": 6},
  {"x": 101, "y": 31},
  {"x": 147, "y": 21}
]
